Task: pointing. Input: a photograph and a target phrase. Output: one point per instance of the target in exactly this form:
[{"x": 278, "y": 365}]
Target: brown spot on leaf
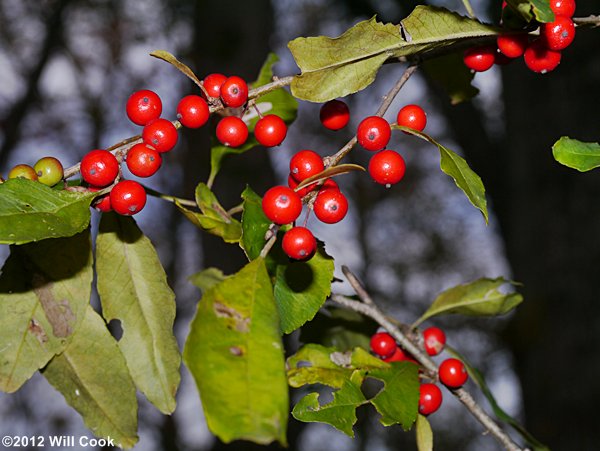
[
  {"x": 58, "y": 312},
  {"x": 241, "y": 323},
  {"x": 36, "y": 329}
]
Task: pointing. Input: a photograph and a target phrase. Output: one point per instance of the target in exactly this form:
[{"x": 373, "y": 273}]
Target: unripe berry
[
  {"x": 430, "y": 398},
  {"x": 383, "y": 344},
  {"x": 232, "y": 131},
  {"x": 299, "y": 243},
  {"x": 270, "y": 130},
  {"x": 334, "y": 115},
  {"x": 281, "y": 205},
  {"x": 452, "y": 373},
  {"x": 330, "y": 205},
  {"x": 373, "y": 133},
  {"x": 128, "y": 197},
  {"x": 99, "y": 168},
  {"x": 23, "y": 171},
  {"x": 143, "y": 161},
  {"x": 192, "y": 111},
  {"x": 143, "y": 106},
  {"x": 49, "y": 171},
  {"x": 305, "y": 164}
]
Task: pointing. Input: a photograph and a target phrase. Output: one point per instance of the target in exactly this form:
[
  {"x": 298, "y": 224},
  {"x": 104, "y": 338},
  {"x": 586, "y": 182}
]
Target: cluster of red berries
[
  {"x": 451, "y": 372},
  {"x": 47, "y": 170},
  {"x": 541, "y": 54},
  {"x": 283, "y": 205}
]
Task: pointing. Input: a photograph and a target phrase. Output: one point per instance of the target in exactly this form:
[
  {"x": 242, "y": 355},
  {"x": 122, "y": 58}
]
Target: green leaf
[
  {"x": 301, "y": 288},
  {"x": 279, "y": 102},
  {"x": 235, "y": 353},
  {"x": 314, "y": 364},
  {"x": 479, "y": 298},
  {"x": 576, "y": 154},
  {"x": 169, "y": 58},
  {"x": 424, "y": 434},
  {"x": 93, "y": 377},
  {"x": 133, "y": 288},
  {"x": 32, "y": 211},
  {"x": 530, "y": 9},
  {"x": 398, "y": 402},
  {"x": 336, "y": 67},
  {"x": 449, "y": 71},
  {"x": 456, "y": 167},
  {"x": 254, "y": 224},
  {"x": 44, "y": 290},
  {"x": 207, "y": 278},
  {"x": 478, "y": 378}
]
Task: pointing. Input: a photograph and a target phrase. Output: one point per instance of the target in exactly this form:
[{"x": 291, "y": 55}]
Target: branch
[
  {"x": 372, "y": 311},
  {"x": 590, "y": 21}
]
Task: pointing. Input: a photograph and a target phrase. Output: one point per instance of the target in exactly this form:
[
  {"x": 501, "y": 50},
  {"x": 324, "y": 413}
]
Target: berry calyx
[
  {"x": 512, "y": 45},
  {"x": 387, "y": 167},
  {"x": 334, "y": 114},
  {"x": 480, "y": 59},
  {"x": 563, "y": 7},
  {"x": 234, "y": 92},
  {"x": 430, "y": 398},
  {"x": 558, "y": 35},
  {"x": 452, "y": 373},
  {"x": 232, "y": 131},
  {"x": 128, "y": 197},
  {"x": 305, "y": 164},
  {"x": 99, "y": 168},
  {"x": 143, "y": 161},
  {"x": 160, "y": 134},
  {"x": 143, "y": 106},
  {"x": 23, "y": 171},
  {"x": 270, "y": 130},
  {"x": 49, "y": 171},
  {"x": 373, "y": 133},
  {"x": 212, "y": 84},
  {"x": 330, "y": 205},
  {"x": 412, "y": 116},
  {"x": 541, "y": 59},
  {"x": 281, "y": 205},
  {"x": 299, "y": 243},
  {"x": 383, "y": 344},
  {"x": 192, "y": 111},
  {"x": 434, "y": 340}
]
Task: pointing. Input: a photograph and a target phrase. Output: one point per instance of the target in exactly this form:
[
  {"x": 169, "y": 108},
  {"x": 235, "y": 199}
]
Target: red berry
[
  {"x": 101, "y": 203},
  {"x": 299, "y": 243},
  {"x": 512, "y": 45},
  {"x": 160, "y": 134},
  {"x": 292, "y": 183},
  {"x": 558, "y": 35},
  {"x": 383, "y": 344},
  {"x": 387, "y": 167},
  {"x": 480, "y": 59},
  {"x": 563, "y": 7},
  {"x": 143, "y": 106},
  {"x": 430, "y": 398},
  {"x": 143, "y": 161},
  {"x": 412, "y": 116},
  {"x": 192, "y": 111},
  {"x": 305, "y": 164},
  {"x": 373, "y": 133},
  {"x": 212, "y": 84},
  {"x": 334, "y": 115},
  {"x": 434, "y": 339},
  {"x": 270, "y": 130},
  {"x": 232, "y": 131},
  {"x": 128, "y": 197},
  {"x": 541, "y": 59},
  {"x": 99, "y": 168},
  {"x": 452, "y": 373},
  {"x": 281, "y": 205},
  {"x": 234, "y": 92},
  {"x": 330, "y": 205},
  {"x": 398, "y": 356}
]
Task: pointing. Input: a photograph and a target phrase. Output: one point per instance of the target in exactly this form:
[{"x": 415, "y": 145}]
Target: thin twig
[
  {"x": 357, "y": 286},
  {"x": 591, "y": 21},
  {"x": 179, "y": 200}
]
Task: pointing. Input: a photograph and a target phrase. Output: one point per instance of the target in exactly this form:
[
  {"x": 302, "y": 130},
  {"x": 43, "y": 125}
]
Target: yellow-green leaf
[
  {"x": 576, "y": 154},
  {"x": 424, "y": 434},
  {"x": 169, "y": 58}
]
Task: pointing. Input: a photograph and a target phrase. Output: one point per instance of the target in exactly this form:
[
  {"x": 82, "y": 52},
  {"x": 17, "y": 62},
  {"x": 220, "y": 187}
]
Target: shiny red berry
[
  {"x": 128, "y": 197},
  {"x": 373, "y": 133},
  {"x": 143, "y": 161},
  {"x": 383, "y": 344},
  {"x": 330, "y": 205},
  {"x": 192, "y": 111},
  {"x": 299, "y": 243},
  {"x": 101, "y": 203},
  {"x": 452, "y": 373},
  {"x": 563, "y": 7},
  {"x": 232, "y": 131},
  {"x": 143, "y": 106},
  {"x": 387, "y": 167},
  {"x": 558, "y": 35},
  {"x": 398, "y": 356},
  {"x": 270, "y": 130},
  {"x": 480, "y": 59},
  {"x": 541, "y": 59},
  {"x": 292, "y": 183},
  {"x": 434, "y": 340},
  {"x": 281, "y": 205},
  {"x": 430, "y": 398},
  {"x": 234, "y": 92},
  {"x": 160, "y": 134},
  {"x": 212, "y": 84},
  {"x": 305, "y": 164},
  {"x": 334, "y": 115},
  {"x": 99, "y": 168},
  {"x": 412, "y": 116},
  {"x": 512, "y": 45}
]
